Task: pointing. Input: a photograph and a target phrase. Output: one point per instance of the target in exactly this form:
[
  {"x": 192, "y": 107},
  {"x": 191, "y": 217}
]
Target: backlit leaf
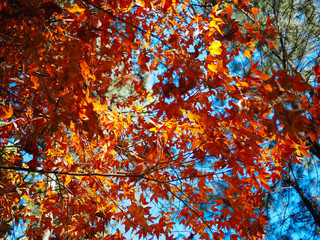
[{"x": 215, "y": 48}]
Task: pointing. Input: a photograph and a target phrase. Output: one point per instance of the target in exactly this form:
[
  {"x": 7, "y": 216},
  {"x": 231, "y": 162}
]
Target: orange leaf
[
  {"x": 35, "y": 82},
  {"x": 76, "y": 9},
  {"x": 256, "y": 71},
  {"x": 247, "y": 53},
  {"x": 305, "y": 153},
  {"x": 254, "y": 11},
  {"x": 85, "y": 67},
  {"x": 6, "y": 113},
  {"x": 312, "y": 136},
  {"x": 268, "y": 87}
]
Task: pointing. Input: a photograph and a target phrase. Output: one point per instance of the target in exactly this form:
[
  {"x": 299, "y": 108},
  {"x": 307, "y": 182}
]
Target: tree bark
[{"x": 310, "y": 206}]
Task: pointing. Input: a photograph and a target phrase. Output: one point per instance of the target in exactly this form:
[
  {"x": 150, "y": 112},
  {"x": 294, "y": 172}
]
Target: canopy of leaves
[{"x": 147, "y": 161}]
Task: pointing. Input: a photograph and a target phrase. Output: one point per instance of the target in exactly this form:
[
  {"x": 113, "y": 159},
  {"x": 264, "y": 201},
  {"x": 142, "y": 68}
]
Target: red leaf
[{"x": 33, "y": 164}]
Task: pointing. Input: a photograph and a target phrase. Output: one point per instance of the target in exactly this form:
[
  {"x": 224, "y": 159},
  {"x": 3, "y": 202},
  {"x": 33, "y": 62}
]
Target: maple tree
[{"x": 149, "y": 160}]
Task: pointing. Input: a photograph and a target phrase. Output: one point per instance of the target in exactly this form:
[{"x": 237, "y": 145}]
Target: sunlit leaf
[{"x": 215, "y": 48}]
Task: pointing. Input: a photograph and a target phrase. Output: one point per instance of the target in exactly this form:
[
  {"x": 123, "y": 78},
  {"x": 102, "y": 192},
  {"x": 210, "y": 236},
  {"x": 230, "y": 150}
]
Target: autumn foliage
[{"x": 76, "y": 161}]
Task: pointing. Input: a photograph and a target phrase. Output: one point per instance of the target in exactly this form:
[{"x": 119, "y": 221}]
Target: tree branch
[
  {"x": 310, "y": 206},
  {"x": 42, "y": 171}
]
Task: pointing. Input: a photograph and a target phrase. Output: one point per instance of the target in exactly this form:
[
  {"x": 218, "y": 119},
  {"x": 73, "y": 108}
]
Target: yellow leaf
[
  {"x": 115, "y": 133},
  {"x": 193, "y": 117},
  {"x": 183, "y": 111},
  {"x": 215, "y": 48},
  {"x": 72, "y": 125},
  {"x": 215, "y": 8},
  {"x": 26, "y": 197},
  {"x": 76, "y": 9},
  {"x": 140, "y": 3},
  {"x": 138, "y": 109},
  {"x": 79, "y": 177},
  {"x": 149, "y": 97},
  {"x": 42, "y": 209},
  {"x": 247, "y": 53},
  {"x": 69, "y": 160},
  {"x": 153, "y": 129},
  {"x": 67, "y": 179},
  {"x": 243, "y": 84},
  {"x": 213, "y": 67},
  {"x": 213, "y": 24},
  {"x": 165, "y": 138}
]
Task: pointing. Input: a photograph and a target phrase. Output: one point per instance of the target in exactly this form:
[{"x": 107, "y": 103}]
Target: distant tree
[
  {"x": 297, "y": 25},
  {"x": 293, "y": 205}
]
